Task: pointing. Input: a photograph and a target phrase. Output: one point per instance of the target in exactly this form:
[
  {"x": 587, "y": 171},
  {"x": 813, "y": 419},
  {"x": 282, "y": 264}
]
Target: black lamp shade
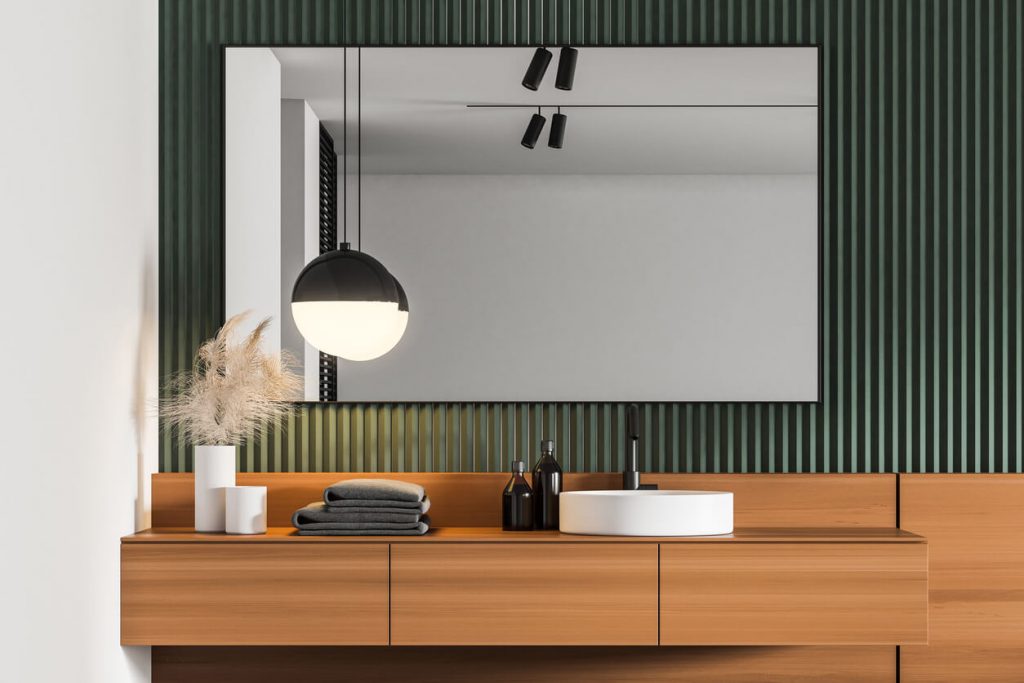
[
  {"x": 346, "y": 275},
  {"x": 347, "y": 304},
  {"x": 533, "y": 131},
  {"x": 557, "y": 135},
  {"x": 566, "y": 68},
  {"x": 538, "y": 66},
  {"x": 403, "y": 301}
]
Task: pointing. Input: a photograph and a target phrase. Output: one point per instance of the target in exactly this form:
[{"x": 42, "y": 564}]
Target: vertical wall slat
[{"x": 921, "y": 247}]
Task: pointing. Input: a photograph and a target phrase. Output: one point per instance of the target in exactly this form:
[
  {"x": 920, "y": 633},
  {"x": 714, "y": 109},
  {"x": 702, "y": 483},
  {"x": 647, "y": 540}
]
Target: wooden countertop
[{"x": 495, "y": 535}]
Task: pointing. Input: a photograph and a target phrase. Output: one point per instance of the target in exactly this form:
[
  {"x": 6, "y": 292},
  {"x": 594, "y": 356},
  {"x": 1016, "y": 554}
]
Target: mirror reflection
[{"x": 651, "y": 234}]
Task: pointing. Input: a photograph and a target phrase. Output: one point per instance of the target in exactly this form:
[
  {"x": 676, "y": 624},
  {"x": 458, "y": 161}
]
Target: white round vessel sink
[{"x": 646, "y": 513}]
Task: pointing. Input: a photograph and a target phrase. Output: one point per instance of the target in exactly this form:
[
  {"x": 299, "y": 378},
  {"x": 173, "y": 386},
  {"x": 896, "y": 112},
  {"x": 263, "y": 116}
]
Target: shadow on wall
[
  {"x": 143, "y": 405},
  {"x": 143, "y": 410}
]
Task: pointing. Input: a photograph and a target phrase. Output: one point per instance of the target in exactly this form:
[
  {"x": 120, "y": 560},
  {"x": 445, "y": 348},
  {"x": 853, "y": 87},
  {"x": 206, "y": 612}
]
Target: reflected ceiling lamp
[
  {"x": 533, "y": 130},
  {"x": 538, "y": 67},
  {"x": 556, "y": 138},
  {"x": 557, "y": 135},
  {"x": 566, "y": 68},
  {"x": 345, "y": 302},
  {"x": 536, "y": 126}
]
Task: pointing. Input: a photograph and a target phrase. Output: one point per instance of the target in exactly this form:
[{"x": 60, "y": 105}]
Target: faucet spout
[{"x": 631, "y": 471}]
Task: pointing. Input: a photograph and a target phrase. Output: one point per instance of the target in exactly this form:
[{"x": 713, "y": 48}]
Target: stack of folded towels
[{"x": 366, "y": 507}]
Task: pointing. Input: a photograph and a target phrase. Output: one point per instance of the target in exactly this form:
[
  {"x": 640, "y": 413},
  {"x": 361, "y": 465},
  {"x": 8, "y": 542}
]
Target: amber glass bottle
[
  {"x": 517, "y": 501},
  {"x": 547, "y": 485}
]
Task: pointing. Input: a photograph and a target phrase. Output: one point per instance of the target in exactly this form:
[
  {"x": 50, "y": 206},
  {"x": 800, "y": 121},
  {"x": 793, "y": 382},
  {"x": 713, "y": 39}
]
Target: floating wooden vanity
[
  {"x": 482, "y": 586},
  {"x": 815, "y": 557}
]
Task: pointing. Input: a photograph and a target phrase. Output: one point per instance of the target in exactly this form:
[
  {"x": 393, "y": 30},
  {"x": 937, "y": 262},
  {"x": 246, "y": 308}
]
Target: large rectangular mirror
[{"x": 668, "y": 251}]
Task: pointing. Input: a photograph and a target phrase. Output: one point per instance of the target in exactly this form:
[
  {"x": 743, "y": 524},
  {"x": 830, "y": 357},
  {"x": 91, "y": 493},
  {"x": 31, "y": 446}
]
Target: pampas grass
[{"x": 233, "y": 391}]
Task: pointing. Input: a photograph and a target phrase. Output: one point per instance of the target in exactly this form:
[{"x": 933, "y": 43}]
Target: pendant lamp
[{"x": 345, "y": 302}]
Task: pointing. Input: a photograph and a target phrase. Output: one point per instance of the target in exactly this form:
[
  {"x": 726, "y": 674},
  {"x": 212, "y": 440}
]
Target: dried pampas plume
[{"x": 233, "y": 391}]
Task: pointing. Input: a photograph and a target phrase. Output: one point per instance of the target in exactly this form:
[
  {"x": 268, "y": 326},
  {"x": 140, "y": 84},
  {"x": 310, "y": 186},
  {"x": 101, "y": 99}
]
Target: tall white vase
[{"x": 214, "y": 468}]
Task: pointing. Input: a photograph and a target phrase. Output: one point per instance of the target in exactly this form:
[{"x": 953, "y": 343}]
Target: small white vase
[
  {"x": 246, "y": 509},
  {"x": 214, "y": 468}
]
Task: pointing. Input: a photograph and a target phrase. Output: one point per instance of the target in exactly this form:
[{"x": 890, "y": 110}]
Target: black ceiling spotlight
[
  {"x": 538, "y": 67},
  {"x": 566, "y": 68},
  {"x": 533, "y": 130},
  {"x": 557, "y": 130}
]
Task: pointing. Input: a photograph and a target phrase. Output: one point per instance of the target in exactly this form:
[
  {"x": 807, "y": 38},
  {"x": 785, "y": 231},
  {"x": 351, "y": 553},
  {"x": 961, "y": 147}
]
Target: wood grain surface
[
  {"x": 251, "y": 594},
  {"x": 496, "y": 535},
  {"x": 794, "y": 594},
  {"x": 526, "y": 594},
  {"x": 975, "y": 529},
  {"x": 474, "y": 499}
]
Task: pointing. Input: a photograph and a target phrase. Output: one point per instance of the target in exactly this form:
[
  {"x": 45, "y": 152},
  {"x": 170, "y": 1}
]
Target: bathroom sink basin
[{"x": 646, "y": 513}]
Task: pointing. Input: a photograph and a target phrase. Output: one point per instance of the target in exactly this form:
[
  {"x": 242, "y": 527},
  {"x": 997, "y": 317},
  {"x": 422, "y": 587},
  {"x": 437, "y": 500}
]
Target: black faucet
[{"x": 631, "y": 472}]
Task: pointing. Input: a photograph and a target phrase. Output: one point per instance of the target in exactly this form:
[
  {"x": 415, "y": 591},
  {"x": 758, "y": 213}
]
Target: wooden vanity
[
  {"x": 483, "y": 586},
  {"x": 818, "y": 563}
]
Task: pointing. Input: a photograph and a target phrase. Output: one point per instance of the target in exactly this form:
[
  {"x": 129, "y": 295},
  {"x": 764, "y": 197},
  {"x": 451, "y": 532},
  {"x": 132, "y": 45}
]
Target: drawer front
[
  {"x": 254, "y": 594},
  {"x": 794, "y": 594},
  {"x": 524, "y": 594}
]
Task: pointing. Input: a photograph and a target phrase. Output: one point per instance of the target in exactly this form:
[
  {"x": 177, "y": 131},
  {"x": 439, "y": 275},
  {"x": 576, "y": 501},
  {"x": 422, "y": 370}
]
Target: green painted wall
[{"x": 923, "y": 192}]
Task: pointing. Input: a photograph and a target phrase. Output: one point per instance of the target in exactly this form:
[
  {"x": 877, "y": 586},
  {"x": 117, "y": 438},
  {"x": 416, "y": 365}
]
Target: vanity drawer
[
  {"x": 794, "y": 594},
  {"x": 254, "y": 594},
  {"x": 524, "y": 594}
]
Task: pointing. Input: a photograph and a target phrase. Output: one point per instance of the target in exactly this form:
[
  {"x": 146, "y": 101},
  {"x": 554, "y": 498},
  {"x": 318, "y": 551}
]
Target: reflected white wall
[
  {"x": 300, "y": 220},
  {"x": 596, "y": 288},
  {"x": 252, "y": 188}
]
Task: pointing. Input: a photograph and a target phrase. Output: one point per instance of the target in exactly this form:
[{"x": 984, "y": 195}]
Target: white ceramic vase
[
  {"x": 246, "y": 509},
  {"x": 214, "y": 468}
]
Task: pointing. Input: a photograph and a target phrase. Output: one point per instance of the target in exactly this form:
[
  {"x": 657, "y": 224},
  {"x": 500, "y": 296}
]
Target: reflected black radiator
[{"x": 328, "y": 382}]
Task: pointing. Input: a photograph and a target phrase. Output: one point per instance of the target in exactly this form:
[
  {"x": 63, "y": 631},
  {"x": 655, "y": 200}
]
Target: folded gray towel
[
  {"x": 380, "y": 527},
  {"x": 418, "y": 531},
  {"x": 319, "y": 513},
  {"x": 374, "y": 489},
  {"x": 380, "y": 505},
  {"x": 317, "y": 517}
]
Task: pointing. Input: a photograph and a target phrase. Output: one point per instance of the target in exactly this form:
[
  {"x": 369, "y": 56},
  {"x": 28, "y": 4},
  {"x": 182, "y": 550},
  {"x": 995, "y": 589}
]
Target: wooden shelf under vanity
[{"x": 484, "y": 586}]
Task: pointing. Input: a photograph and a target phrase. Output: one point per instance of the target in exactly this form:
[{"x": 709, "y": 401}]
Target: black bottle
[
  {"x": 517, "y": 501},
  {"x": 547, "y": 485}
]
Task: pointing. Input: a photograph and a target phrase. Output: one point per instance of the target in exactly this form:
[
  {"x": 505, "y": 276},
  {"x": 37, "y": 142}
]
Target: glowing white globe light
[
  {"x": 346, "y": 304},
  {"x": 354, "y": 330}
]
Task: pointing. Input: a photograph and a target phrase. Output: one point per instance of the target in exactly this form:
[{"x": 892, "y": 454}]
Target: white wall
[
  {"x": 596, "y": 288},
  {"x": 252, "y": 190},
  {"x": 300, "y": 221},
  {"x": 78, "y": 214}
]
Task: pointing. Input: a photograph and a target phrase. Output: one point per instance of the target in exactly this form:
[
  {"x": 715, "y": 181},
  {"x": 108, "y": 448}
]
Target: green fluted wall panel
[{"x": 922, "y": 270}]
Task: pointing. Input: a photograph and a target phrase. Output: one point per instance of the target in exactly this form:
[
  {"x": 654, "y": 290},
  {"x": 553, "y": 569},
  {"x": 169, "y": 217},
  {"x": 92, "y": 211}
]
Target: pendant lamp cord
[
  {"x": 359, "y": 159},
  {"x": 344, "y": 145}
]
